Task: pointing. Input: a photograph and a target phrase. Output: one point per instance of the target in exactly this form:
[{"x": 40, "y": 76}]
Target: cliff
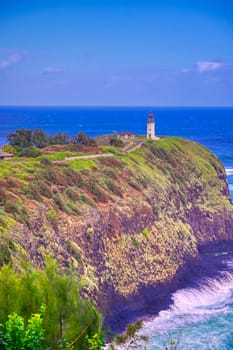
[{"x": 131, "y": 224}]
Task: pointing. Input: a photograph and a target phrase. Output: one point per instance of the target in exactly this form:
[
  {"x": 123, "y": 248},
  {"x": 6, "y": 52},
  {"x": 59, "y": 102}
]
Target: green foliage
[
  {"x": 14, "y": 332},
  {"x": 133, "y": 183},
  {"x": 39, "y": 138},
  {"x": 110, "y": 173},
  {"x": 15, "y": 336},
  {"x": 99, "y": 195},
  {"x": 85, "y": 199},
  {"x": 114, "y": 188},
  {"x": 131, "y": 338},
  {"x": 68, "y": 318},
  {"x": 95, "y": 342},
  {"x": 72, "y": 194},
  {"x": 116, "y": 142},
  {"x": 21, "y": 138},
  {"x": 145, "y": 233},
  {"x": 31, "y": 151},
  {"x": 83, "y": 139},
  {"x": 5, "y": 254},
  {"x": 46, "y": 161},
  {"x": 135, "y": 242},
  {"x": 25, "y": 139},
  {"x": 52, "y": 216}
]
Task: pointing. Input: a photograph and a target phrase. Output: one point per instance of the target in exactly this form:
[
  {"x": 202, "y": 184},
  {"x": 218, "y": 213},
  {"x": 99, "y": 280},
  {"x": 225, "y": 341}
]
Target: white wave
[
  {"x": 191, "y": 305},
  {"x": 229, "y": 171}
]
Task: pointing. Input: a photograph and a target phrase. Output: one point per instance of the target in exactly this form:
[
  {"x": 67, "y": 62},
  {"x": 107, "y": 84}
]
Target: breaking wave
[{"x": 199, "y": 318}]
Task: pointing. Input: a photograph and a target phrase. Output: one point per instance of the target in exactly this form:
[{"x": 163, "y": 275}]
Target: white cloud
[
  {"x": 12, "y": 59},
  {"x": 207, "y": 66}
]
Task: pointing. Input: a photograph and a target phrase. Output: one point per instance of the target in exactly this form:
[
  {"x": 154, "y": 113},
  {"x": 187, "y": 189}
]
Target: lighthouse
[{"x": 151, "y": 127}]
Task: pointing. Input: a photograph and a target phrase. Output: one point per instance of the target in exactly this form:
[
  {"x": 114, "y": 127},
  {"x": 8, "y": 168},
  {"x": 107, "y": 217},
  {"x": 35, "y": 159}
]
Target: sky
[{"x": 116, "y": 52}]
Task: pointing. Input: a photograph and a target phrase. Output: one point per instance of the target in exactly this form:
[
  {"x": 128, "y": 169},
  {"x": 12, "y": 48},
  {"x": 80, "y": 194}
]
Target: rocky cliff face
[{"x": 130, "y": 224}]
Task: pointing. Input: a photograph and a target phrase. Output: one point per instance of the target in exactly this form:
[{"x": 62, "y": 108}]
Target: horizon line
[{"x": 112, "y": 106}]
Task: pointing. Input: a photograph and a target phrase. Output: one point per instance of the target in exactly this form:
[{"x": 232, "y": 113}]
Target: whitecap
[{"x": 229, "y": 171}]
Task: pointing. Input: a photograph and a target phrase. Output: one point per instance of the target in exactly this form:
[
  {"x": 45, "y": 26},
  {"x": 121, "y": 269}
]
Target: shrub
[
  {"x": 110, "y": 173},
  {"x": 145, "y": 233},
  {"x": 52, "y": 217},
  {"x": 72, "y": 194},
  {"x": 5, "y": 254},
  {"x": 31, "y": 151},
  {"x": 72, "y": 177},
  {"x": 32, "y": 192},
  {"x": 46, "y": 161},
  {"x": 73, "y": 208},
  {"x": 85, "y": 199},
  {"x": 116, "y": 142},
  {"x": 133, "y": 183},
  {"x": 99, "y": 195},
  {"x": 114, "y": 188},
  {"x": 135, "y": 242},
  {"x": 59, "y": 201}
]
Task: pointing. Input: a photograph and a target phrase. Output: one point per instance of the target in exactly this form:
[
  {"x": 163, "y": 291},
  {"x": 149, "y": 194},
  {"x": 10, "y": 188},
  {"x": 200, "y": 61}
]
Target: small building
[
  {"x": 150, "y": 134},
  {"x": 5, "y": 155},
  {"x": 126, "y": 135}
]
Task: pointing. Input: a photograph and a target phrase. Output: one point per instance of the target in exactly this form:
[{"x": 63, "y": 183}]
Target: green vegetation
[
  {"x": 14, "y": 335},
  {"x": 116, "y": 142},
  {"x": 28, "y": 143},
  {"x": 125, "y": 221},
  {"x": 65, "y": 318},
  {"x": 131, "y": 338}
]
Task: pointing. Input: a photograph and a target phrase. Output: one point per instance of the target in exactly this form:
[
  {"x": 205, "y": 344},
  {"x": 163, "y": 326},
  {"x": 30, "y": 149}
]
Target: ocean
[{"x": 199, "y": 317}]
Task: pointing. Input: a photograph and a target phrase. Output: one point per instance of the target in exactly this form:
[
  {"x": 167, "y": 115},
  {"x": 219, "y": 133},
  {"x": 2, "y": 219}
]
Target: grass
[
  {"x": 82, "y": 164},
  {"x": 59, "y": 155},
  {"x": 111, "y": 149}
]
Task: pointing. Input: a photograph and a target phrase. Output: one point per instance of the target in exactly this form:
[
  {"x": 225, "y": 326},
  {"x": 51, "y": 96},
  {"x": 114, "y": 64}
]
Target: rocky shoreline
[{"x": 151, "y": 300}]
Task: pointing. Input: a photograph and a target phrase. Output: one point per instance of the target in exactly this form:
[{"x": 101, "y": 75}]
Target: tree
[
  {"x": 39, "y": 138},
  {"x": 68, "y": 319},
  {"x": 21, "y": 138},
  {"x": 61, "y": 138},
  {"x": 83, "y": 139},
  {"x": 9, "y": 291}
]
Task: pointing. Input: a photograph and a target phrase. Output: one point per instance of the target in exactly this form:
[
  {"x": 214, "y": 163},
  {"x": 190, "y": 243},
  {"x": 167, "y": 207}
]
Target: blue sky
[{"x": 125, "y": 52}]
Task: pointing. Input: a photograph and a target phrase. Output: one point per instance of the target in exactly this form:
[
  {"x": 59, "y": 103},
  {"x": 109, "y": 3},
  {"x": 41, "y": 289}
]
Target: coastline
[{"x": 147, "y": 304}]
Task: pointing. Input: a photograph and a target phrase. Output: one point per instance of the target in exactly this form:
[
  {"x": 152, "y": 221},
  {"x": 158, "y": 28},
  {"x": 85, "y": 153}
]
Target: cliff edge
[{"x": 130, "y": 223}]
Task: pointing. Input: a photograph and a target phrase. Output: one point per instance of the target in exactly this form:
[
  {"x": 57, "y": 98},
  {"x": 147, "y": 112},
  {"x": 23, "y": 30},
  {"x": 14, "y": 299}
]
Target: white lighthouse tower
[{"x": 151, "y": 127}]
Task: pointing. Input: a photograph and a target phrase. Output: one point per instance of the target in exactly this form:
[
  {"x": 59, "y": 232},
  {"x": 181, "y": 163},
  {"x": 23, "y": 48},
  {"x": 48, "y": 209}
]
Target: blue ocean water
[{"x": 201, "y": 318}]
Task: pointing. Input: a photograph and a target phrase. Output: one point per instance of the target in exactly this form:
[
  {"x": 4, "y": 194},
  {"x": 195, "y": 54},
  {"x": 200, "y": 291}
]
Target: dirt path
[{"x": 134, "y": 144}]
